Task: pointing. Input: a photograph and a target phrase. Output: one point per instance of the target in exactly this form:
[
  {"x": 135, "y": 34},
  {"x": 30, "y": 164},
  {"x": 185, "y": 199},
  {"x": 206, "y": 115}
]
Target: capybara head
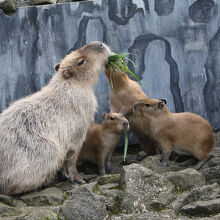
[
  {"x": 84, "y": 62},
  {"x": 149, "y": 107},
  {"x": 115, "y": 121}
]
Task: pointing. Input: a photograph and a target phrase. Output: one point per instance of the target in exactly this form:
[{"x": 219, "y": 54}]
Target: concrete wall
[{"x": 175, "y": 44}]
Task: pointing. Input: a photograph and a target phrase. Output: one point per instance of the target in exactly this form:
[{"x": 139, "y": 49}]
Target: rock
[
  {"x": 108, "y": 178},
  {"x": 211, "y": 169},
  {"x": 66, "y": 186},
  {"x": 83, "y": 204},
  {"x": 109, "y": 186},
  {"x": 202, "y": 208},
  {"x": 144, "y": 190},
  {"x": 207, "y": 192},
  {"x": 91, "y": 186},
  {"x": 8, "y": 6},
  {"x": 88, "y": 177},
  {"x": 185, "y": 179},
  {"x": 6, "y": 211},
  {"x": 39, "y": 214},
  {"x": 7, "y": 200},
  {"x": 42, "y": 2},
  {"x": 153, "y": 163},
  {"x": 49, "y": 196}
]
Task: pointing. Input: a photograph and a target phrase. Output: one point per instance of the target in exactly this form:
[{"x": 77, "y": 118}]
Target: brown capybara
[
  {"x": 185, "y": 133},
  {"x": 124, "y": 94},
  {"x": 37, "y": 132},
  {"x": 102, "y": 139}
]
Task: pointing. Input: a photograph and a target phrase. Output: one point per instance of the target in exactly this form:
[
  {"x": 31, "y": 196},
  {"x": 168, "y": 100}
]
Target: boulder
[
  {"x": 185, "y": 179},
  {"x": 144, "y": 190},
  {"x": 83, "y": 204},
  {"x": 207, "y": 192},
  {"x": 202, "y": 208},
  {"x": 8, "y": 6},
  {"x": 49, "y": 196},
  {"x": 7, "y": 211},
  {"x": 42, "y": 2},
  {"x": 108, "y": 178}
]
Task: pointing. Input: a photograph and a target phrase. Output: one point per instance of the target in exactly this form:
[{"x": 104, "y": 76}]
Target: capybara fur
[
  {"x": 185, "y": 132},
  {"x": 36, "y": 132},
  {"x": 102, "y": 139},
  {"x": 124, "y": 94}
]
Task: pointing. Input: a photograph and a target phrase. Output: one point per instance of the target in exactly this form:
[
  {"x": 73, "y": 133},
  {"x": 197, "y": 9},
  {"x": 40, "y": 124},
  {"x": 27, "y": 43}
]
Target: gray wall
[{"x": 175, "y": 44}]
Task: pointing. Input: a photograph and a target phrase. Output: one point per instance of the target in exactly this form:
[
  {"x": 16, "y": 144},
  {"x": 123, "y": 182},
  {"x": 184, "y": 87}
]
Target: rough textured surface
[
  {"x": 145, "y": 190},
  {"x": 175, "y": 43},
  {"x": 83, "y": 205},
  {"x": 186, "y": 179},
  {"x": 40, "y": 2},
  {"x": 8, "y": 6}
]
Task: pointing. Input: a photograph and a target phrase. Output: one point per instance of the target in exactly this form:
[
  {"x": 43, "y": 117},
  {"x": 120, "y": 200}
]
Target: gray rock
[
  {"x": 145, "y": 190},
  {"x": 207, "y": 192},
  {"x": 8, "y": 6},
  {"x": 41, "y": 2},
  {"x": 49, "y": 196},
  {"x": 39, "y": 215},
  {"x": 66, "y": 186},
  {"x": 6, "y": 211},
  {"x": 185, "y": 179},
  {"x": 211, "y": 169},
  {"x": 7, "y": 200},
  {"x": 153, "y": 163},
  {"x": 108, "y": 178},
  {"x": 83, "y": 205},
  {"x": 91, "y": 186},
  {"x": 202, "y": 208}
]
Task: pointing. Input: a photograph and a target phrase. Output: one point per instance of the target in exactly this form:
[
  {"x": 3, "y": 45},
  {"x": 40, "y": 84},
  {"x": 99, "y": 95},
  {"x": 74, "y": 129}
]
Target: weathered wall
[{"x": 176, "y": 46}]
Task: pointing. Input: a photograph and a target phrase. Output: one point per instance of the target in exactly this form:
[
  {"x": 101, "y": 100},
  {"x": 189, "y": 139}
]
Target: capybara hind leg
[
  {"x": 72, "y": 172},
  {"x": 149, "y": 147},
  {"x": 109, "y": 163}
]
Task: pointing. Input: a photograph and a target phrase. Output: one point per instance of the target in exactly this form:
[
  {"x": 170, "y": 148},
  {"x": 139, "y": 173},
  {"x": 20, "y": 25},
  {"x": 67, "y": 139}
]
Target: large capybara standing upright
[{"x": 37, "y": 132}]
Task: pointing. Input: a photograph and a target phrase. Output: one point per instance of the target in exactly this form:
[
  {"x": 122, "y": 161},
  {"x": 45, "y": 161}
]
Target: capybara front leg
[
  {"x": 165, "y": 155},
  {"x": 101, "y": 165},
  {"x": 70, "y": 165}
]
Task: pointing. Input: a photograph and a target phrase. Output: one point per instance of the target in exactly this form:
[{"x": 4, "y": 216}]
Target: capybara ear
[
  {"x": 104, "y": 116},
  {"x": 66, "y": 73},
  {"x": 160, "y": 105},
  {"x": 164, "y": 100},
  {"x": 57, "y": 66}
]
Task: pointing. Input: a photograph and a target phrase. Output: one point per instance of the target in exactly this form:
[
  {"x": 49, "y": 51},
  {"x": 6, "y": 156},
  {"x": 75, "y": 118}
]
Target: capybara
[
  {"x": 185, "y": 132},
  {"x": 102, "y": 139},
  {"x": 124, "y": 94},
  {"x": 38, "y": 131}
]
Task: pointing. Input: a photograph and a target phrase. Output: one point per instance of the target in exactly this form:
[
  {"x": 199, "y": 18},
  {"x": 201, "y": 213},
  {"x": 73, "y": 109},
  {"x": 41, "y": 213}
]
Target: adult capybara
[
  {"x": 185, "y": 132},
  {"x": 101, "y": 141},
  {"x": 37, "y": 132},
  {"x": 124, "y": 94}
]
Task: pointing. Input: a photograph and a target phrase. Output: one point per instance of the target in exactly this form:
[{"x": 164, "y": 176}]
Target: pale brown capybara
[
  {"x": 185, "y": 132},
  {"x": 36, "y": 132},
  {"x": 102, "y": 139},
  {"x": 124, "y": 94}
]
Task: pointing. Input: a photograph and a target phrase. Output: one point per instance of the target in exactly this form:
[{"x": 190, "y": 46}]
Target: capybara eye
[
  {"x": 112, "y": 118},
  {"x": 101, "y": 45},
  {"x": 147, "y": 105},
  {"x": 81, "y": 62}
]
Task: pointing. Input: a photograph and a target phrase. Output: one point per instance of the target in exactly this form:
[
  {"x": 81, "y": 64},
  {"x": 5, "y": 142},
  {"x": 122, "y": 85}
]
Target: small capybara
[
  {"x": 124, "y": 94},
  {"x": 102, "y": 139},
  {"x": 38, "y": 131},
  {"x": 185, "y": 133}
]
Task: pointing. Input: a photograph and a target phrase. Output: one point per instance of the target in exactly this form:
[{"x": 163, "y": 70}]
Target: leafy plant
[
  {"x": 125, "y": 146},
  {"x": 118, "y": 62}
]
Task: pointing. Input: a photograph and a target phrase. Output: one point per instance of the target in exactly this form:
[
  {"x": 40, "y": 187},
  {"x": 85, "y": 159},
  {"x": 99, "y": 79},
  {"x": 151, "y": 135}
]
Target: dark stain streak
[
  {"x": 139, "y": 47},
  {"x": 128, "y": 10},
  {"x": 82, "y": 32},
  {"x": 212, "y": 87},
  {"x": 164, "y": 7}
]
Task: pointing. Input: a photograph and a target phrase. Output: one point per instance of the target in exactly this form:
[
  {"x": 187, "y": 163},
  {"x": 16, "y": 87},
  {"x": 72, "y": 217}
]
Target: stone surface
[
  {"x": 144, "y": 190},
  {"x": 207, "y": 192},
  {"x": 170, "y": 49},
  {"x": 6, "y": 211},
  {"x": 83, "y": 205},
  {"x": 41, "y": 2},
  {"x": 186, "y": 179},
  {"x": 49, "y": 196},
  {"x": 202, "y": 208},
  {"x": 108, "y": 178},
  {"x": 8, "y": 6}
]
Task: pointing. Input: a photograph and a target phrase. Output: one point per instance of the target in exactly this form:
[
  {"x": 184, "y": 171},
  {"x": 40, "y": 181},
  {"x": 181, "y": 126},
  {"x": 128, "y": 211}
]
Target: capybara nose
[{"x": 125, "y": 124}]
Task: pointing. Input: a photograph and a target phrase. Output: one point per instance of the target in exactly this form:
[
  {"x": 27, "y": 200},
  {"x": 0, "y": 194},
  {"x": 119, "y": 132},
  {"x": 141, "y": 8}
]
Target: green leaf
[{"x": 125, "y": 146}]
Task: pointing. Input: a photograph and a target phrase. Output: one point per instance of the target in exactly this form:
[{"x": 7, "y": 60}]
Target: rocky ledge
[{"x": 142, "y": 190}]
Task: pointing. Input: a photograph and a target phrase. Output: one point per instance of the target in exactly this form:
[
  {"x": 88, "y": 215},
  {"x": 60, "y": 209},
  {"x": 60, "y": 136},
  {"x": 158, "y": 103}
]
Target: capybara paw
[{"x": 80, "y": 181}]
